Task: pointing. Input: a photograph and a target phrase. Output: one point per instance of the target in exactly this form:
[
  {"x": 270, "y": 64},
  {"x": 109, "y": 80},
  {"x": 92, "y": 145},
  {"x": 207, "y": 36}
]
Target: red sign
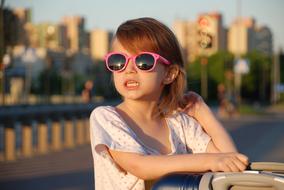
[{"x": 203, "y": 22}]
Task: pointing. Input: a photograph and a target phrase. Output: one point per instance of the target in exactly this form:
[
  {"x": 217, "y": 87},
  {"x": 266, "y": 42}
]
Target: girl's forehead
[{"x": 117, "y": 46}]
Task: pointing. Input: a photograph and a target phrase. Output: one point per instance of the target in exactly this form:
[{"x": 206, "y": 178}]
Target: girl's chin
[
  {"x": 140, "y": 97},
  {"x": 132, "y": 96}
]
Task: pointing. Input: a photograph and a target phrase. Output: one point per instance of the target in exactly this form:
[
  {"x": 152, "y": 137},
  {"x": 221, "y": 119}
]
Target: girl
[{"x": 145, "y": 137}]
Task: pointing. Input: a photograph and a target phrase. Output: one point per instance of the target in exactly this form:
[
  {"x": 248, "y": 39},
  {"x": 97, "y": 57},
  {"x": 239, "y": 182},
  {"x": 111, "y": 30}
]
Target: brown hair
[{"x": 148, "y": 34}]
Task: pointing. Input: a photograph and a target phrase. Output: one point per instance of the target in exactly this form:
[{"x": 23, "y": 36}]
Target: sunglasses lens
[
  {"x": 145, "y": 61},
  {"x": 116, "y": 62}
]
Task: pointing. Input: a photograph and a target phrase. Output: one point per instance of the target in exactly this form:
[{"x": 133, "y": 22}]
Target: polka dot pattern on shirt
[{"x": 109, "y": 129}]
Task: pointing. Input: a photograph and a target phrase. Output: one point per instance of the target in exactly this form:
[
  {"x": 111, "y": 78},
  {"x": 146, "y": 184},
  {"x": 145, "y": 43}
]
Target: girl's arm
[
  {"x": 198, "y": 109},
  {"x": 149, "y": 167}
]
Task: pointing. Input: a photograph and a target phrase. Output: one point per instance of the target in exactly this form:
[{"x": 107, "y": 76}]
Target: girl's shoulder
[
  {"x": 181, "y": 118},
  {"x": 105, "y": 113}
]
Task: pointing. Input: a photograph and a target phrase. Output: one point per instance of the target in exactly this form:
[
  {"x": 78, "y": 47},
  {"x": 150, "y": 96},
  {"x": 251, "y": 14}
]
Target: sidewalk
[
  {"x": 69, "y": 169},
  {"x": 252, "y": 111},
  {"x": 278, "y": 109}
]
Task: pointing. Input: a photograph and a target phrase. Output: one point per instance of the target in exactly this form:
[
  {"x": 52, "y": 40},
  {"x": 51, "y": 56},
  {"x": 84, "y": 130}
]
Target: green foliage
[
  {"x": 79, "y": 81},
  {"x": 193, "y": 75},
  {"x": 217, "y": 64},
  {"x": 281, "y": 68},
  {"x": 103, "y": 82},
  {"x": 49, "y": 82},
  {"x": 256, "y": 84},
  {"x": 246, "y": 109}
]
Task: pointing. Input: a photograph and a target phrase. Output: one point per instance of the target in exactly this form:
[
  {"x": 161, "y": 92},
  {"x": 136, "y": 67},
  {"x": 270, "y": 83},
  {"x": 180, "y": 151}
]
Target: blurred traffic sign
[
  {"x": 241, "y": 66},
  {"x": 280, "y": 87},
  {"x": 203, "y": 22},
  {"x": 205, "y": 27}
]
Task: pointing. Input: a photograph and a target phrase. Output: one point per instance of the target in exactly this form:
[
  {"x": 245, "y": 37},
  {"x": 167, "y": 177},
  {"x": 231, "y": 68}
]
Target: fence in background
[{"x": 29, "y": 130}]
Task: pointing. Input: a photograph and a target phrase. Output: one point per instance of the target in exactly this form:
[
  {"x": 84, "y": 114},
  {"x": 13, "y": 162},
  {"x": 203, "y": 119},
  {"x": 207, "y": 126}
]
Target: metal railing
[{"x": 43, "y": 128}]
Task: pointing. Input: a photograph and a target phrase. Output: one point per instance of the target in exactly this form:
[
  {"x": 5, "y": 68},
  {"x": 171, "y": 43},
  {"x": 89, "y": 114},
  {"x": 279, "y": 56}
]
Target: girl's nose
[{"x": 130, "y": 68}]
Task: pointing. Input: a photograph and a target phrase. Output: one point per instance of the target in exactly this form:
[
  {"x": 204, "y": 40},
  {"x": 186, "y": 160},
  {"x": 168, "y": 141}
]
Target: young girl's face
[{"x": 134, "y": 84}]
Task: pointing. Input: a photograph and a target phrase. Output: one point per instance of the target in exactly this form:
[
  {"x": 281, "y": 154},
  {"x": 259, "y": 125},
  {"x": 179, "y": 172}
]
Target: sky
[{"x": 109, "y": 14}]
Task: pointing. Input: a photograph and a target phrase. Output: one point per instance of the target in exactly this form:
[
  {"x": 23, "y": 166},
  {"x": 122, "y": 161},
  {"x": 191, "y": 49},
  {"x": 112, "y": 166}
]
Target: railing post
[
  {"x": 76, "y": 128},
  {"x": 87, "y": 130},
  {"x": 27, "y": 140},
  {"x": 56, "y": 135},
  {"x": 69, "y": 132},
  {"x": 10, "y": 143},
  {"x": 42, "y": 138},
  {"x": 80, "y": 131}
]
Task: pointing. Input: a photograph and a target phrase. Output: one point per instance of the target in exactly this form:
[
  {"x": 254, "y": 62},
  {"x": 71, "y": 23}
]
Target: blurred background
[{"x": 52, "y": 75}]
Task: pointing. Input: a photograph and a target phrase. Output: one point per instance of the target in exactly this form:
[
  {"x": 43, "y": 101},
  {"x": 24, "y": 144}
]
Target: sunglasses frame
[{"x": 127, "y": 58}]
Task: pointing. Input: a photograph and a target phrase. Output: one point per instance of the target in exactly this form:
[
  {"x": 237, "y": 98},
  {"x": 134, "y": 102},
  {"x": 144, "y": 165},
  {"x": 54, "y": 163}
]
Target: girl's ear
[{"x": 171, "y": 74}]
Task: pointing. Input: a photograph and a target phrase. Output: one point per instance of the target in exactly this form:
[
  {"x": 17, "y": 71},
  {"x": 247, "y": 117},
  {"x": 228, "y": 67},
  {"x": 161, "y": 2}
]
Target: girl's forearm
[
  {"x": 161, "y": 165},
  {"x": 149, "y": 167},
  {"x": 152, "y": 167}
]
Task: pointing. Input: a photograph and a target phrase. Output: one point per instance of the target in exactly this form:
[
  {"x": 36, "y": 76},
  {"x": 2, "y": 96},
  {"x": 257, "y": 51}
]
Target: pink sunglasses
[{"x": 145, "y": 61}]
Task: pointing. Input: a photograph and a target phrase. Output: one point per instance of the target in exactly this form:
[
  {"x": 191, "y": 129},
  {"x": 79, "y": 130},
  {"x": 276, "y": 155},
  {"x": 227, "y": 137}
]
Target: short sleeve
[
  {"x": 196, "y": 139},
  {"x": 107, "y": 128}
]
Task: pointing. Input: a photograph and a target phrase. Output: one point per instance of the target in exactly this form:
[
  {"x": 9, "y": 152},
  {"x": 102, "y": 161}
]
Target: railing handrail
[
  {"x": 41, "y": 112},
  {"x": 57, "y": 126}
]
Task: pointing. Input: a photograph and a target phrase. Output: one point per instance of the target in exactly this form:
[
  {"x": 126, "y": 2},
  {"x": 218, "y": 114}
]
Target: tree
[
  {"x": 218, "y": 65},
  {"x": 103, "y": 83},
  {"x": 256, "y": 84}
]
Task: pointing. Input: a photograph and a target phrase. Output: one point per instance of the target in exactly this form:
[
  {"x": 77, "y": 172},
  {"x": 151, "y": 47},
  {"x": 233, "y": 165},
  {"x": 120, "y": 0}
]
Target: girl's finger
[
  {"x": 243, "y": 158},
  {"x": 241, "y": 166}
]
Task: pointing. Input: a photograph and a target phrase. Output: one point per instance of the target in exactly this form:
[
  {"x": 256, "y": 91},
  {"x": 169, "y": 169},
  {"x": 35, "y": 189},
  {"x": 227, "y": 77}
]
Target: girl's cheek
[{"x": 116, "y": 78}]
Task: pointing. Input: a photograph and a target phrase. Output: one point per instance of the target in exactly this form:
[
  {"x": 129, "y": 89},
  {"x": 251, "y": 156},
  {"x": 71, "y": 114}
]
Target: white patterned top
[{"x": 108, "y": 128}]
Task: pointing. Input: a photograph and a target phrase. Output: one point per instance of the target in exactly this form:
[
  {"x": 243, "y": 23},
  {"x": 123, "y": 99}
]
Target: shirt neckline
[{"x": 152, "y": 150}]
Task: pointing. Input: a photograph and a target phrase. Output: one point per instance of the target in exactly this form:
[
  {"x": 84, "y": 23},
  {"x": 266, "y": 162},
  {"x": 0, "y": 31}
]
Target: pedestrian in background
[{"x": 87, "y": 91}]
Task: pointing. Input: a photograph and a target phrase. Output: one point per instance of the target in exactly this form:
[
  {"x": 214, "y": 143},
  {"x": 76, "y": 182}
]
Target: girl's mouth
[{"x": 131, "y": 84}]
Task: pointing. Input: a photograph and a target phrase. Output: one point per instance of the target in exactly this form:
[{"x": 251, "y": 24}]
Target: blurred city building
[
  {"x": 99, "y": 43},
  {"x": 42, "y": 51},
  {"x": 245, "y": 36},
  {"x": 14, "y": 31},
  {"x": 207, "y": 35},
  {"x": 187, "y": 34},
  {"x": 241, "y": 36},
  {"x": 264, "y": 40},
  {"x": 23, "y": 16},
  {"x": 75, "y": 29}
]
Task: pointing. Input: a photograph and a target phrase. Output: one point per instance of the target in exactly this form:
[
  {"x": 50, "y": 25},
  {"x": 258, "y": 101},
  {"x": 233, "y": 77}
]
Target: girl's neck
[{"x": 142, "y": 109}]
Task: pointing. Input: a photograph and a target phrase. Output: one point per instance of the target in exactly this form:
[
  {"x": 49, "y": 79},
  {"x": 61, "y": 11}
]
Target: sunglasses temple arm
[{"x": 165, "y": 60}]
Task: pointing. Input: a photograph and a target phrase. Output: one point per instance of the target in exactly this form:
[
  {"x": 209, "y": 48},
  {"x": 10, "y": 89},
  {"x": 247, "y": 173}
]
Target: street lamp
[
  {"x": 204, "y": 78},
  {"x": 205, "y": 42}
]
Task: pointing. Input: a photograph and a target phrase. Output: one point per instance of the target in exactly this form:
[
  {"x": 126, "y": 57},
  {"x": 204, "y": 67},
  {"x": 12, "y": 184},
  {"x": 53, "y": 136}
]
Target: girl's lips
[{"x": 131, "y": 84}]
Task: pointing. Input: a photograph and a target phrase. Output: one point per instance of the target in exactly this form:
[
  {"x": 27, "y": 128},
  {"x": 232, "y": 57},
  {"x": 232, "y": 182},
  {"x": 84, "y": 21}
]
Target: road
[{"x": 259, "y": 137}]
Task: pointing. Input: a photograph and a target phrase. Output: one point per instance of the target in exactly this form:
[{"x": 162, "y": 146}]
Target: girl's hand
[
  {"x": 228, "y": 162},
  {"x": 192, "y": 102}
]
